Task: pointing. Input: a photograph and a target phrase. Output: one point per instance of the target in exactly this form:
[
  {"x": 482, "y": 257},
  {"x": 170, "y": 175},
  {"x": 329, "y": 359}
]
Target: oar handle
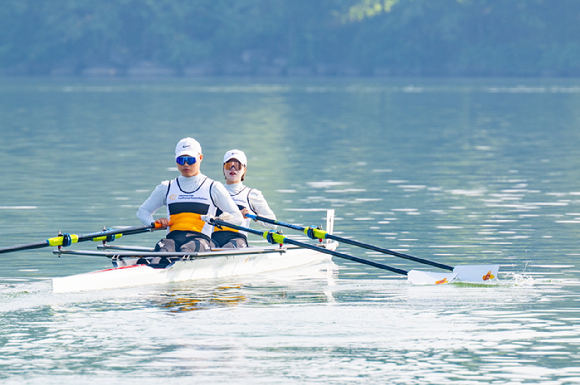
[
  {"x": 315, "y": 233},
  {"x": 273, "y": 237}
]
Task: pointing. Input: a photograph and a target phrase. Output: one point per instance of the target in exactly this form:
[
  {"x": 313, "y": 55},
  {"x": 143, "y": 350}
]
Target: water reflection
[
  {"x": 305, "y": 284},
  {"x": 196, "y": 299}
]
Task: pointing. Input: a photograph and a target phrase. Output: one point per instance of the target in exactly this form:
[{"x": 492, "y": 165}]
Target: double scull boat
[
  {"x": 132, "y": 265},
  {"x": 127, "y": 270}
]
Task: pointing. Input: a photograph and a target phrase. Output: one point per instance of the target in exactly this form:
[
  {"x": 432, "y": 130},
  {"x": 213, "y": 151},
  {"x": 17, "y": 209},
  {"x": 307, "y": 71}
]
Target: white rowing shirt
[
  {"x": 242, "y": 200},
  {"x": 185, "y": 208}
]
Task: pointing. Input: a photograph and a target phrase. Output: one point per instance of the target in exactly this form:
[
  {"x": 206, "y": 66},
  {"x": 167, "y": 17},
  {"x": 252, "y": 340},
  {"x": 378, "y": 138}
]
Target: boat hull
[{"x": 194, "y": 269}]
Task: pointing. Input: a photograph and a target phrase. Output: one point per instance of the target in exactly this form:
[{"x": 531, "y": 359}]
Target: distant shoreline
[{"x": 147, "y": 70}]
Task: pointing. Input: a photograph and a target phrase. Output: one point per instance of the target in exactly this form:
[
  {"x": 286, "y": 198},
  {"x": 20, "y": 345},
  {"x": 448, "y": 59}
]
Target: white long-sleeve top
[
  {"x": 158, "y": 199},
  {"x": 257, "y": 202}
]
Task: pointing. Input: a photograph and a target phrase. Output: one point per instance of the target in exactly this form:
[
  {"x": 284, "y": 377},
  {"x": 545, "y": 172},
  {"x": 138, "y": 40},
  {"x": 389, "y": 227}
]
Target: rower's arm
[
  {"x": 155, "y": 201},
  {"x": 259, "y": 205},
  {"x": 225, "y": 203}
]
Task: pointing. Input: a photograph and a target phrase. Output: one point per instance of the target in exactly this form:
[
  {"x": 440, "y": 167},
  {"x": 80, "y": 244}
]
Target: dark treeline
[{"x": 290, "y": 37}]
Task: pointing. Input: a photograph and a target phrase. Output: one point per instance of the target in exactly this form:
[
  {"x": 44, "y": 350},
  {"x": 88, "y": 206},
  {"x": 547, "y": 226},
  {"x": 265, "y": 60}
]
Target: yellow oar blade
[
  {"x": 476, "y": 273},
  {"x": 419, "y": 277}
]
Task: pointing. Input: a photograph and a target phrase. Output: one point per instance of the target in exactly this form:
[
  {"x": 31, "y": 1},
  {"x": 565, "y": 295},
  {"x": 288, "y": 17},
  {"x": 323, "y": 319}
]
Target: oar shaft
[
  {"x": 345, "y": 256},
  {"x": 279, "y": 238},
  {"x": 325, "y": 235},
  {"x": 125, "y": 231},
  {"x": 98, "y": 236},
  {"x": 390, "y": 252},
  {"x": 27, "y": 246}
]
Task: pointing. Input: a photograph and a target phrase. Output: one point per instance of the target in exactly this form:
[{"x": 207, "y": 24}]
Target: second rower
[{"x": 248, "y": 200}]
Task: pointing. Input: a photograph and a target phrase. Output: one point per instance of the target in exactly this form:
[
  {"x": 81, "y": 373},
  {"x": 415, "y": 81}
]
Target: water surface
[{"x": 457, "y": 171}]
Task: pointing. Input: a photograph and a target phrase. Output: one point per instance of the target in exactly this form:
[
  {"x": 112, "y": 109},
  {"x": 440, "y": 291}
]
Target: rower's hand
[
  {"x": 226, "y": 217},
  {"x": 207, "y": 218},
  {"x": 162, "y": 223},
  {"x": 223, "y": 217},
  {"x": 245, "y": 211}
]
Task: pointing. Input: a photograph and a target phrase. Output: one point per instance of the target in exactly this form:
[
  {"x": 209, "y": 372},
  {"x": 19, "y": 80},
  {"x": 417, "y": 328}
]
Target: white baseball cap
[
  {"x": 187, "y": 146},
  {"x": 237, "y": 154}
]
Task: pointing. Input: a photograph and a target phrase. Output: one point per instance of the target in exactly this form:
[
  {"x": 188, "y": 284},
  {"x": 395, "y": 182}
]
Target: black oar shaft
[
  {"x": 98, "y": 236},
  {"x": 356, "y": 243},
  {"x": 125, "y": 231},
  {"x": 390, "y": 252},
  {"x": 346, "y": 256},
  {"x": 28, "y": 246},
  {"x": 289, "y": 241}
]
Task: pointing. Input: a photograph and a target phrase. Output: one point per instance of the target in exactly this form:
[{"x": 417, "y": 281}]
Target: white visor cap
[
  {"x": 187, "y": 146},
  {"x": 236, "y": 154}
]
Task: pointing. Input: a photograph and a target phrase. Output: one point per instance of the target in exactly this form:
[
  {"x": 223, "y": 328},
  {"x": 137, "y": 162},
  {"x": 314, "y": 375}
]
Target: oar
[
  {"x": 467, "y": 273},
  {"x": 415, "y": 276},
  {"x": 315, "y": 233},
  {"x": 68, "y": 239}
]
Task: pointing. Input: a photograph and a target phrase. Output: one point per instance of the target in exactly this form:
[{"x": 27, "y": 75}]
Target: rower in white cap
[
  {"x": 191, "y": 199},
  {"x": 248, "y": 200}
]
